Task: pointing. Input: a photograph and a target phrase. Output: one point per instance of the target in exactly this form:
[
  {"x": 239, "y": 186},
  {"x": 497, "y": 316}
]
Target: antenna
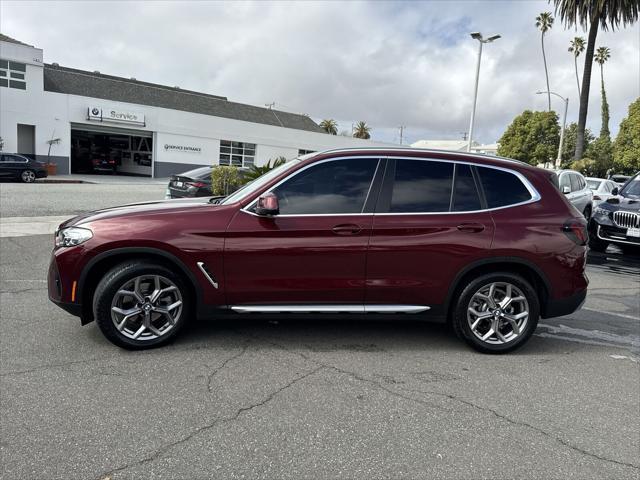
[{"x": 270, "y": 105}]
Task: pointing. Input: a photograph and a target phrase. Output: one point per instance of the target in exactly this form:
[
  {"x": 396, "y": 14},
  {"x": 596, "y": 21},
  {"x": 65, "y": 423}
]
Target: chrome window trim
[{"x": 535, "y": 196}]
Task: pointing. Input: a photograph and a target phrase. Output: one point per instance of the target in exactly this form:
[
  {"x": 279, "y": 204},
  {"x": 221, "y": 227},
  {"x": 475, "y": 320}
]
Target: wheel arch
[
  {"x": 101, "y": 263},
  {"x": 523, "y": 267}
]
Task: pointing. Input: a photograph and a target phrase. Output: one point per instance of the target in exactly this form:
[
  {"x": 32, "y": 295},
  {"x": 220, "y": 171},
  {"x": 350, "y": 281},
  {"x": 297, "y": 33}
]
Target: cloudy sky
[{"x": 388, "y": 63}]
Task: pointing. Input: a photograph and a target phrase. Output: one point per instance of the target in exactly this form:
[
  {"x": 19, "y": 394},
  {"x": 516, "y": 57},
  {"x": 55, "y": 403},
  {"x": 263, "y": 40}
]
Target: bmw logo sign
[{"x": 95, "y": 112}]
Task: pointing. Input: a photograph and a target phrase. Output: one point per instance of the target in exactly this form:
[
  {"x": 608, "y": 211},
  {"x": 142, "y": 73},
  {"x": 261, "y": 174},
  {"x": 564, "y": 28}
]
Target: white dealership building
[{"x": 75, "y": 118}]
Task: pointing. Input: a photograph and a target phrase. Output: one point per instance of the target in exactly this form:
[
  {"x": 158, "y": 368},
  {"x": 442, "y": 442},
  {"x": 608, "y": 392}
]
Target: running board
[{"x": 329, "y": 308}]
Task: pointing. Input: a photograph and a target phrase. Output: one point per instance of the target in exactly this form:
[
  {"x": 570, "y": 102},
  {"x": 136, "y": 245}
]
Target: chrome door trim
[{"x": 329, "y": 308}]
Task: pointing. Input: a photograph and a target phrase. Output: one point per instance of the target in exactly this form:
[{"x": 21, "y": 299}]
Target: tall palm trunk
[
  {"x": 546, "y": 72},
  {"x": 604, "y": 130},
  {"x": 575, "y": 61},
  {"x": 586, "y": 86}
]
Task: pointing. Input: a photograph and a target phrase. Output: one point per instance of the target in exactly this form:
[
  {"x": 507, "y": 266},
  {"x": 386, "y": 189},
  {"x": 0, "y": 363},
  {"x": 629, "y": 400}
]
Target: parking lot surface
[{"x": 310, "y": 398}]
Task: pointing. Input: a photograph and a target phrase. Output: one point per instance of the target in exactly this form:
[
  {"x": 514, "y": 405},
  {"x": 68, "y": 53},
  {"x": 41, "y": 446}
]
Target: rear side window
[
  {"x": 503, "y": 188},
  {"x": 465, "y": 193},
  {"x": 338, "y": 186},
  {"x": 421, "y": 186},
  {"x": 575, "y": 182}
]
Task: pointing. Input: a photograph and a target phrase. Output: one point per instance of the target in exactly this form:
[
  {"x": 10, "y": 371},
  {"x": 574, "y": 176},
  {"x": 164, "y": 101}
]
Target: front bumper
[{"x": 615, "y": 234}]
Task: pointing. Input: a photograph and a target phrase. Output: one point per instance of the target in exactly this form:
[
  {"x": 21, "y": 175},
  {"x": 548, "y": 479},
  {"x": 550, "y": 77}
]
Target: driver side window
[{"x": 336, "y": 186}]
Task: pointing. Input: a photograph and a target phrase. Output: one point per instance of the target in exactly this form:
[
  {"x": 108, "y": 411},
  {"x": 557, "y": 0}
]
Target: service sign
[{"x": 99, "y": 114}]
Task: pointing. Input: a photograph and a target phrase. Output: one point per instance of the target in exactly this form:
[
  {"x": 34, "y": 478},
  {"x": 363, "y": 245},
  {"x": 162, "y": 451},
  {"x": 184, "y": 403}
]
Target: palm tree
[
  {"x": 362, "y": 130},
  {"x": 256, "y": 172},
  {"x": 544, "y": 22},
  {"x": 330, "y": 126},
  {"x": 577, "y": 47},
  {"x": 592, "y": 14},
  {"x": 602, "y": 55}
]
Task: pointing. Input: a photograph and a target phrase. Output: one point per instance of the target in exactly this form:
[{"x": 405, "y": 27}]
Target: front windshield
[
  {"x": 632, "y": 188},
  {"x": 249, "y": 188}
]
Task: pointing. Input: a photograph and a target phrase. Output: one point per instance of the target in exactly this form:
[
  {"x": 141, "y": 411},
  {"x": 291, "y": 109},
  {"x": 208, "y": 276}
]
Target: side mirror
[
  {"x": 268, "y": 204},
  {"x": 615, "y": 191},
  {"x": 566, "y": 189}
]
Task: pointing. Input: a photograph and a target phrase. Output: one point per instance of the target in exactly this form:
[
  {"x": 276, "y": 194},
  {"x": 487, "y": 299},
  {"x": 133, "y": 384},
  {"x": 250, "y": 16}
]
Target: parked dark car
[
  {"x": 20, "y": 167},
  {"x": 103, "y": 162},
  {"x": 486, "y": 244},
  {"x": 194, "y": 183},
  {"x": 619, "y": 179},
  {"x": 617, "y": 220}
]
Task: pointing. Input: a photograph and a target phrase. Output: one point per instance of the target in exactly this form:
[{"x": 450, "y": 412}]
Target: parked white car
[
  {"x": 575, "y": 188},
  {"x": 602, "y": 189}
]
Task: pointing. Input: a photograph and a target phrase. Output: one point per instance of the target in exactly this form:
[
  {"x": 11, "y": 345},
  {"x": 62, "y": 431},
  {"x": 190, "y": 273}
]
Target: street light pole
[
  {"x": 564, "y": 124},
  {"x": 481, "y": 41}
]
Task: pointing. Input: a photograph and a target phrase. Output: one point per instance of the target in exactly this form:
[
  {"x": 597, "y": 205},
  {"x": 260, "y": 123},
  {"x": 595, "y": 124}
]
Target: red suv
[{"x": 486, "y": 244}]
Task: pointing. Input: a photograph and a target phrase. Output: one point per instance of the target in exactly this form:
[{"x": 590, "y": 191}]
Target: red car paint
[{"x": 334, "y": 259}]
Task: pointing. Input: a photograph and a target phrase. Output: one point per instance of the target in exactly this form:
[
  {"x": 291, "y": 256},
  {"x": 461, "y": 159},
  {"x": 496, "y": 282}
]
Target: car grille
[{"x": 626, "y": 219}]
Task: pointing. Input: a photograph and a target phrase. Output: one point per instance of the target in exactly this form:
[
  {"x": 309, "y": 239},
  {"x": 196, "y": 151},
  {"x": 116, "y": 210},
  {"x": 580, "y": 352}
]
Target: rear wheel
[
  {"x": 141, "y": 305},
  {"x": 496, "y": 312},
  {"x": 28, "y": 176}
]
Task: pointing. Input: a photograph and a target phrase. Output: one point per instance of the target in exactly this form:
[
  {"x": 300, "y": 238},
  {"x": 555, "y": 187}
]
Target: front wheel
[
  {"x": 596, "y": 244},
  {"x": 141, "y": 305},
  {"x": 28, "y": 176},
  {"x": 587, "y": 212},
  {"x": 496, "y": 312}
]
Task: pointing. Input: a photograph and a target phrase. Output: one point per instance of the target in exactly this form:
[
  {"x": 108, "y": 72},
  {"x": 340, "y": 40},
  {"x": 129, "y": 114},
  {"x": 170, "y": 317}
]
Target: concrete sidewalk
[
  {"x": 104, "y": 179},
  {"x": 26, "y": 226}
]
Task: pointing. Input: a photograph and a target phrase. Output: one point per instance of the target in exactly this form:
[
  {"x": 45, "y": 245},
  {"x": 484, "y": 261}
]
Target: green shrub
[{"x": 225, "y": 180}]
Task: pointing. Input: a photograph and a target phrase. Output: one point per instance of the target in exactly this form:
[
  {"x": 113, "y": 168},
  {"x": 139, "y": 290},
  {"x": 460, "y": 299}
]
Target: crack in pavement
[
  {"x": 224, "y": 364},
  {"x": 22, "y": 290},
  {"x": 460, "y": 400},
  {"x": 162, "y": 450}
]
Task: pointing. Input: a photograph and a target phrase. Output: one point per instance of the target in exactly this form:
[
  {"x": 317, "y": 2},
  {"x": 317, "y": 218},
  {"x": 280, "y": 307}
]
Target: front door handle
[
  {"x": 471, "y": 227},
  {"x": 347, "y": 229}
]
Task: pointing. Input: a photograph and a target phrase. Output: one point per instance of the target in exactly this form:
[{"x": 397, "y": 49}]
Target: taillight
[
  {"x": 576, "y": 230},
  {"x": 196, "y": 184}
]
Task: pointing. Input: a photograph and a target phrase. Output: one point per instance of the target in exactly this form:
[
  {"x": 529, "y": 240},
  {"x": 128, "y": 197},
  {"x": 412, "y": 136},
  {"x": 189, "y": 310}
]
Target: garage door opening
[{"x": 105, "y": 152}]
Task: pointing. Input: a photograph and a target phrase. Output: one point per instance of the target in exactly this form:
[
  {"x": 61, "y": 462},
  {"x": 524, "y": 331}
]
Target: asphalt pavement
[{"x": 306, "y": 398}]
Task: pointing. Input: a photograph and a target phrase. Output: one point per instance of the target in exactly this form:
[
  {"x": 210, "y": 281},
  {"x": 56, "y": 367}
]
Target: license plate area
[{"x": 633, "y": 232}]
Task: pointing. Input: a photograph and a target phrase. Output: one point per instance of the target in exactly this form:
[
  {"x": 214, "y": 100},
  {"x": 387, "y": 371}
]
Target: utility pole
[
  {"x": 564, "y": 124},
  {"x": 464, "y": 135},
  {"x": 401, "y": 127}
]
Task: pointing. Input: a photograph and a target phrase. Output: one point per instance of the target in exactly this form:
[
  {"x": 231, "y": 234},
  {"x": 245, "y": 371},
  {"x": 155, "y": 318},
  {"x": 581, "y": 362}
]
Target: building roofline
[
  {"x": 132, "y": 81},
  {"x": 8, "y": 39}
]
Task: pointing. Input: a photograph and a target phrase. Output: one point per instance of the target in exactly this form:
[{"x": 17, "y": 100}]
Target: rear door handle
[
  {"x": 347, "y": 229},
  {"x": 471, "y": 227}
]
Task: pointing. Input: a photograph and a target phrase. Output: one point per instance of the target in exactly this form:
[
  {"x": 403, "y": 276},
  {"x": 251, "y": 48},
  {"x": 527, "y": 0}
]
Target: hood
[
  {"x": 137, "y": 209},
  {"x": 624, "y": 203}
]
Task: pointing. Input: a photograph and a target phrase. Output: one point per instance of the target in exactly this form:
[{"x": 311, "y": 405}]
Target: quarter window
[
  {"x": 575, "y": 182},
  {"x": 237, "y": 154},
  {"x": 421, "y": 186},
  {"x": 339, "y": 186},
  {"x": 503, "y": 188},
  {"x": 465, "y": 194}
]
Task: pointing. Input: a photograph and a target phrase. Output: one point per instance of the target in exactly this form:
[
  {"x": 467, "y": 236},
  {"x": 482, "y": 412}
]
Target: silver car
[
  {"x": 602, "y": 189},
  {"x": 574, "y": 186}
]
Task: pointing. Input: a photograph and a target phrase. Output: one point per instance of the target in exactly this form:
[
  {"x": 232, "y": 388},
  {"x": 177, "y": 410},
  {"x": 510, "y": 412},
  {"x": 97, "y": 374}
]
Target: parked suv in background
[
  {"x": 617, "y": 220},
  {"x": 574, "y": 186},
  {"x": 20, "y": 167},
  {"x": 486, "y": 244}
]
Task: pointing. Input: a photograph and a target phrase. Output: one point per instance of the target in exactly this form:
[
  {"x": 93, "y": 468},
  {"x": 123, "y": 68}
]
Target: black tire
[
  {"x": 587, "y": 212},
  {"x": 460, "y": 322},
  {"x": 114, "y": 280},
  {"x": 596, "y": 244},
  {"x": 630, "y": 249},
  {"x": 28, "y": 176}
]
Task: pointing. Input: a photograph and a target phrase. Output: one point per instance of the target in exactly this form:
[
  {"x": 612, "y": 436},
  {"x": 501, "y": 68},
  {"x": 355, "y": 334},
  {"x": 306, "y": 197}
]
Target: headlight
[
  {"x": 70, "y": 236},
  {"x": 601, "y": 211}
]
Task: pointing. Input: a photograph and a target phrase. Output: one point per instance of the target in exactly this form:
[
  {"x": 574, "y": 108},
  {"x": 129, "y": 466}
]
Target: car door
[
  {"x": 5, "y": 172},
  {"x": 580, "y": 195},
  {"x": 313, "y": 253},
  {"x": 429, "y": 223}
]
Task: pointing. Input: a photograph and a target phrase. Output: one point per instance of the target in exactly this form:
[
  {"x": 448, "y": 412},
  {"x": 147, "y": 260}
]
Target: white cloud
[{"x": 386, "y": 63}]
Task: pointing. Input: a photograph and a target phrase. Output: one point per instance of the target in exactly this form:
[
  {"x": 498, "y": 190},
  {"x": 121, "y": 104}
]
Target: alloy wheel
[
  {"x": 498, "y": 313},
  {"x": 146, "y": 307},
  {"x": 28, "y": 176}
]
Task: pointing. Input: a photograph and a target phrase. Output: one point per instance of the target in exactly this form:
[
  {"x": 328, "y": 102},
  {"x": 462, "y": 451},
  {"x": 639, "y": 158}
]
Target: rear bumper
[{"x": 564, "y": 306}]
